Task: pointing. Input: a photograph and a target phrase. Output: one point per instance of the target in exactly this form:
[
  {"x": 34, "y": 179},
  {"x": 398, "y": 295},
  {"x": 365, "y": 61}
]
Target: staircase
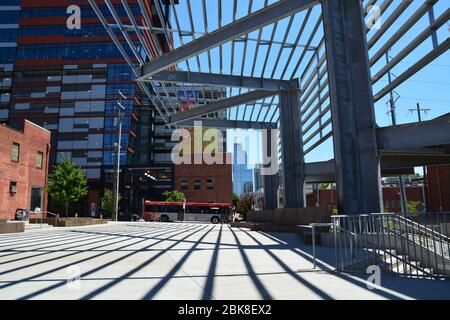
[
  {"x": 402, "y": 264},
  {"x": 394, "y": 243}
]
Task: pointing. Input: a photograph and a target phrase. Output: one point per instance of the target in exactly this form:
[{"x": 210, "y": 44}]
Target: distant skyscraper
[
  {"x": 242, "y": 175},
  {"x": 258, "y": 182}
]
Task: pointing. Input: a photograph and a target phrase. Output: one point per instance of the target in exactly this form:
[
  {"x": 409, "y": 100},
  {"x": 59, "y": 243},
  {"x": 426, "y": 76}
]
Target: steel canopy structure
[{"x": 313, "y": 69}]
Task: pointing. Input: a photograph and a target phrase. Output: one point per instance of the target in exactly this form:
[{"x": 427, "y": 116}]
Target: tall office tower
[
  {"x": 9, "y": 18},
  {"x": 68, "y": 81},
  {"x": 242, "y": 175}
]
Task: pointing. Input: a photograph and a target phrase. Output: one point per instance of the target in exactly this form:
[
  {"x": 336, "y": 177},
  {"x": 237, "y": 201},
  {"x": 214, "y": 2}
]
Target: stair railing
[{"x": 383, "y": 238}]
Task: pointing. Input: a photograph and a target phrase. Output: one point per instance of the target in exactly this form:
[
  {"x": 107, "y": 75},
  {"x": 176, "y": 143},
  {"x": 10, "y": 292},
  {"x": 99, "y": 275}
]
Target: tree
[
  {"x": 108, "y": 203},
  {"x": 324, "y": 185},
  {"x": 244, "y": 205},
  {"x": 412, "y": 206},
  {"x": 235, "y": 199},
  {"x": 174, "y": 196},
  {"x": 67, "y": 185}
]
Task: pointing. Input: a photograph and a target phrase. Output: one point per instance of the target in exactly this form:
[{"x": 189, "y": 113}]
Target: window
[
  {"x": 184, "y": 184},
  {"x": 36, "y": 199},
  {"x": 40, "y": 159},
  {"x": 210, "y": 184},
  {"x": 197, "y": 184},
  {"x": 12, "y": 187},
  {"x": 15, "y": 152}
]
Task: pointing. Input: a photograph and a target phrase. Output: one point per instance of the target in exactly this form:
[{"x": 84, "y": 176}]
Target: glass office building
[
  {"x": 242, "y": 175},
  {"x": 9, "y": 26},
  {"x": 68, "y": 81}
]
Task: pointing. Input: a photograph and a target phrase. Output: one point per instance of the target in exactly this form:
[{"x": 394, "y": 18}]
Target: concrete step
[
  {"x": 397, "y": 265},
  {"x": 37, "y": 226}
]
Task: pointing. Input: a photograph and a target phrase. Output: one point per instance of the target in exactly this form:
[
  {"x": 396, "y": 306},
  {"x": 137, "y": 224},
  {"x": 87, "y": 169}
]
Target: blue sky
[{"x": 430, "y": 87}]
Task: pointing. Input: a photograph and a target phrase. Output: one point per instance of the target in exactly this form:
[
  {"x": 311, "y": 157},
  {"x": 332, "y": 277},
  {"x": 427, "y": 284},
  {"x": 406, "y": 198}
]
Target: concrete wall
[{"x": 12, "y": 227}]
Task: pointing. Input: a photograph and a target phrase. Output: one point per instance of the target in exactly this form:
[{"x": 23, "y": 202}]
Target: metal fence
[{"x": 406, "y": 244}]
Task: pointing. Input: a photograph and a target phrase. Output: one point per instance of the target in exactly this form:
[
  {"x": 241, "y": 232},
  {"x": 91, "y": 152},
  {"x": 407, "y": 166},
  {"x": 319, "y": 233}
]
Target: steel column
[
  {"x": 270, "y": 181},
  {"x": 292, "y": 147},
  {"x": 355, "y": 145}
]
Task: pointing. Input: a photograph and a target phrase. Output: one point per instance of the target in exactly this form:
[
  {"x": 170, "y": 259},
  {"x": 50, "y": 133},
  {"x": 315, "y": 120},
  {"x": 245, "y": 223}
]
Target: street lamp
[{"x": 120, "y": 108}]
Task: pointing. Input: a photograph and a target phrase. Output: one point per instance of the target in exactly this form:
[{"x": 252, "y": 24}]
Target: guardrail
[{"x": 398, "y": 243}]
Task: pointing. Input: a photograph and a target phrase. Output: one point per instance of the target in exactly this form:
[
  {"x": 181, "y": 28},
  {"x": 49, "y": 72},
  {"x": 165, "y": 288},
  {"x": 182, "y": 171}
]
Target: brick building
[
  {"x": 439, "y": 188},
  {"x": 206, "y": 182},
  {"x": 23, "y": 168}
]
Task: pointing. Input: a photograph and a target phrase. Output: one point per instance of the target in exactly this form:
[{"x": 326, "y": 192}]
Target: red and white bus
[{"x": 186, "y": 211}]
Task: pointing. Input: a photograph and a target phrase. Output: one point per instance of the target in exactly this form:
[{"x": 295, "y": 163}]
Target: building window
[
  {"x": 40, "y": 159},
  {"x": 210, "y": 184},
  {"x": 184, "y": 184},
  {"x": 15, "y": 152},
  {"x": 36, "y": 199},
  {"x": 12, "y": 187},
  {"x": 197, "y": 184}
]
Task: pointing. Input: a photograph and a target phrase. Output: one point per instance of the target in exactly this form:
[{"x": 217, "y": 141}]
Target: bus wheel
[
  {"x": 164, "y": 218},
  {"x": 215, "y": 220}
]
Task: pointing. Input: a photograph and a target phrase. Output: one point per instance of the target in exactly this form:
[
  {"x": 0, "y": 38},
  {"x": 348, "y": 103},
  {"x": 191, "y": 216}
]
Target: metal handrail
[
  {"x": 313, "y": 226},
  {"x": 373, "y": 232},
  {"x": 429, "y": 231}
]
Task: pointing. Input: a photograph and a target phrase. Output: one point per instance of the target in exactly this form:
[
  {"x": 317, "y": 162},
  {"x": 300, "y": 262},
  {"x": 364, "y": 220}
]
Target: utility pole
[
  {"x": 403, "y": 200},
  {"x": 391, "y": 96},
  {"x": 120, "y": 108},
  {"x": 424, "y": 168}
]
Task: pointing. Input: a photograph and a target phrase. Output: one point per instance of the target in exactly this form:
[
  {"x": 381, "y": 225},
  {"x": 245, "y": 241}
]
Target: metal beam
[
  {"x": 419, "y": 65},
  {"x": 229, "y": 124},
  {"x": 292, "y": 148},
  {"x": 390, "y": 162},
  {"x": 320, "y": 172},
  {"x": 415, "y": 135},
  {"x": 247, "y": 24},
  {"x": 355, "y": 146},
  {"x": 218, "y": 80},
  {"x": 208, "y": 108},
  {"x": 323, "y": 172}
]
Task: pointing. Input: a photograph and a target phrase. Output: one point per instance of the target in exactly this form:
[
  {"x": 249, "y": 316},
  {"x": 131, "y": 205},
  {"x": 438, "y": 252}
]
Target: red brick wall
[
  {"x": 25, "y": 172},
  {"x": 220, "y": 173},
  {"x": 391, "y": 197},
  {"x": 439, "y": 188}
]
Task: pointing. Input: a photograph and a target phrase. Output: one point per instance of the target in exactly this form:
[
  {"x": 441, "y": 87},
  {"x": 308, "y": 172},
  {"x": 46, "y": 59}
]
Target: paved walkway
[{"x": 181, "y": 261}]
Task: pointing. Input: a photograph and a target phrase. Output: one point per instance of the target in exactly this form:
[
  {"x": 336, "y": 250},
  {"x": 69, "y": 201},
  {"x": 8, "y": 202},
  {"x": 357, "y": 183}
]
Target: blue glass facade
[
  {"x": 9, "y": 17},
  {"x": 242, "y": 175},
  {"x": 68, "y": 81}
]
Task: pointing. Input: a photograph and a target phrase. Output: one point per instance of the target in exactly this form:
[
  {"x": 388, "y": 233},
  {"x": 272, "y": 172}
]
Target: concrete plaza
[{"x": 182, "y": 261}]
